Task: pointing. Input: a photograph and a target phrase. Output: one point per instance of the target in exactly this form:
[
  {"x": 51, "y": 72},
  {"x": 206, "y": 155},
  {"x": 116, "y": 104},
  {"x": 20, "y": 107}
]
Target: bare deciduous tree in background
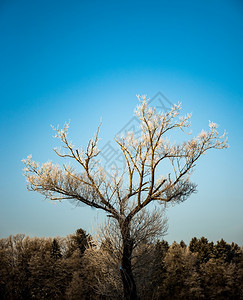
[
  {"x": 104, "y": 253},
  {"x": 124, "y": 195}
]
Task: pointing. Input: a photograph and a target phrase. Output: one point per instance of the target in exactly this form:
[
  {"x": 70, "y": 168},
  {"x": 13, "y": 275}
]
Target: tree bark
[{"x": 129, "y": 285}]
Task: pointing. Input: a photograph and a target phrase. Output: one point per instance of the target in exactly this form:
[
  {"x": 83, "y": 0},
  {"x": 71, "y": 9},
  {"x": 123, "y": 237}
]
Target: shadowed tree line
[{"x": 76, "y": 267}]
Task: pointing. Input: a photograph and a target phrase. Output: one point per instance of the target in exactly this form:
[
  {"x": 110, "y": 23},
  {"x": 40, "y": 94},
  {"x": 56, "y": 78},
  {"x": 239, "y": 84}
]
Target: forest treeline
[{"x": 75, "y": 267}]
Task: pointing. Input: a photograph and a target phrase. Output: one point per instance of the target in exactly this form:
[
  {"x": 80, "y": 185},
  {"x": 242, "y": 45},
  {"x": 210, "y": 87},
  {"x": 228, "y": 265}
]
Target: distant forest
[{"x": 75, "y": 267}]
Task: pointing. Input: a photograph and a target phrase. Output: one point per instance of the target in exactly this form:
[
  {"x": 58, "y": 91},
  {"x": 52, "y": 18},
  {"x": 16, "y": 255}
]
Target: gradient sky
[{"x": 83, "y": 60}]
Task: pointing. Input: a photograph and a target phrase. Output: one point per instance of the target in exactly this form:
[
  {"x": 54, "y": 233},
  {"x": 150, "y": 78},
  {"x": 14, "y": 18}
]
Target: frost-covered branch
[{"x": 122, "y": 196}]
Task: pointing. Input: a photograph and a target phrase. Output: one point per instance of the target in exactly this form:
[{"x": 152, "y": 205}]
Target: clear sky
[{"x": 83, "y": 60}]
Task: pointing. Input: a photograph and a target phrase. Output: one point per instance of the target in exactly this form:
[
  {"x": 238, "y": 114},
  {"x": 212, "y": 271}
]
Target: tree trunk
[{"x": 129, "y": 285}]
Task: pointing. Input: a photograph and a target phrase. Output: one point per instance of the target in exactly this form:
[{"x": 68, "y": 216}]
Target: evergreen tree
[
  {"x": 226, "y": 252},
  {"x": 155, "y": 286},
  {"x": 203, "y": 248},
  {"x": 181, "y": 280},
  {"x": 55, "y": 250},
  {"x": 78, "y": 242},
  {"x": 182, "y": 244}
]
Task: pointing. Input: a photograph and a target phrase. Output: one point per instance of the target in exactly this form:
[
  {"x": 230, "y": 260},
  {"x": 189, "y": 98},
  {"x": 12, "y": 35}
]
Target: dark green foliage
[
  {"x": 81, "y": 239},
  {"x": 182, "y": 244},
  {"x": 203, "y": 248},
  {"x": 78, "y": 242},
  {"x": 226, "y": 252},
  {"x": 159, "y": 270},
  {"x": 181, "y": 281},
  {"x": 62, "y": 268},
  {"x": 55, "y": 250}
]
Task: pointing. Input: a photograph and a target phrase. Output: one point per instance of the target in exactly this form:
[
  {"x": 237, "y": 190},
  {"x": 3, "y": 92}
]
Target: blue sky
[{"x": 83, "y": 60}]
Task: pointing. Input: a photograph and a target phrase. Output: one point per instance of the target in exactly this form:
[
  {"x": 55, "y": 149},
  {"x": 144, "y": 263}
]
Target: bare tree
[
  {"x": 103, "y": 256},
  {"x": 122, "y": 196}
]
